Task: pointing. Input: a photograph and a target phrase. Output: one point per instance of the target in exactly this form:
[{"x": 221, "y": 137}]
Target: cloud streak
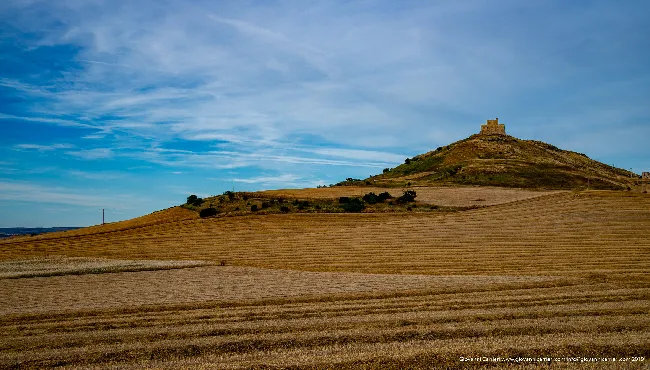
[{"x": 29, "y": 192}]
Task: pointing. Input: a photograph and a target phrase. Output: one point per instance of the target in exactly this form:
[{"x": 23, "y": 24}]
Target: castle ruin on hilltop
[{"x": 493, "y": 127}]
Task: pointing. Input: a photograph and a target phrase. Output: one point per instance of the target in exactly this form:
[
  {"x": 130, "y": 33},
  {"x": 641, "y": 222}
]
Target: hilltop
[{"x": 494, "y": 158}]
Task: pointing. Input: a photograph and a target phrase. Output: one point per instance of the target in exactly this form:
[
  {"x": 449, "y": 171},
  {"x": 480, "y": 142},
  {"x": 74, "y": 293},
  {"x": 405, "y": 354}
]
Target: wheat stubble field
[{"x": 554, "y": 279}]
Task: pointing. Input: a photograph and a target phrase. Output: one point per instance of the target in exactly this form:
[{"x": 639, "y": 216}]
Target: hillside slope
[{"x": 503, "y": 160}]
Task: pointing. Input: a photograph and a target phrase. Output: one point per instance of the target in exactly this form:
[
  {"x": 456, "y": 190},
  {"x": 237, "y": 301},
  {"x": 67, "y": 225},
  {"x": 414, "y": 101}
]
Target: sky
[{"x": 131, "y": 106}]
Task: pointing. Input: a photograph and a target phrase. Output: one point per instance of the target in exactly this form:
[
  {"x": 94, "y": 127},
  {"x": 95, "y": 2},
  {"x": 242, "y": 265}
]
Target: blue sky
[{"x": 133, "y": 105}]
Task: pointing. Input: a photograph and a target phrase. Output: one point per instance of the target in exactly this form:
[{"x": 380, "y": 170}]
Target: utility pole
[{"x": 102, "y": 216}]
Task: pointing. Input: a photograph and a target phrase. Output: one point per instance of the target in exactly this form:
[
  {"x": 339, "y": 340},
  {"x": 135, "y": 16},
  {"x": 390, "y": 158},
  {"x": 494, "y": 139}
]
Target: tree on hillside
[{"x": 194, "y": 200}]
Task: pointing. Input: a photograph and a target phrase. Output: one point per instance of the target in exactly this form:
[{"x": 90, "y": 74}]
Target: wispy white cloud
[
  {"x": 55, "y": 121},
  {"x": 92, "y": 154},
  {"x": 30, "y": 192},
  {"x": 101, "y": 175},
  {"x": 231, "y": 160},
  {"x": 43, "y": 148},
  {"x": 284, "y": 178},
  {"x": 359, "y": 155}
]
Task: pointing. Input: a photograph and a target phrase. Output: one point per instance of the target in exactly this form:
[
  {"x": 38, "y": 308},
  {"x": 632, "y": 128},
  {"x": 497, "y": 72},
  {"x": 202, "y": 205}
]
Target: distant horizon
[{"x": 132, "y": 106}]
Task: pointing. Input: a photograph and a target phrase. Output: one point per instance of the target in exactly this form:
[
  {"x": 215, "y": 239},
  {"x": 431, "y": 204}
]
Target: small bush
[
  {"x": 370, "y": 198},
  {"x": 407, "y": 161},
  {"x": 354, "y": 205},
  {"x": 284, "y": 209},
  {"x": 208, "y": 212},
  {"x": 386, "y": 170},
  {"x": 344, "y": 200},
  {"x": 254, "y": 208},
  {"x": 408, "y": 196},
  {"x": 229, "y": 194},
  {"x": 265, "y": 205},
  {"x": 384, "y": 196}
]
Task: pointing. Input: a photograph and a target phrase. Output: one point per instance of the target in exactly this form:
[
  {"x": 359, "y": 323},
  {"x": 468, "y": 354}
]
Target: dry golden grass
[
  {"x": 418, "y": 329},
  {"x": 559, "y": 275},
  {"x": 190, "y": 284},
  {"x": 58, "y": 266}
]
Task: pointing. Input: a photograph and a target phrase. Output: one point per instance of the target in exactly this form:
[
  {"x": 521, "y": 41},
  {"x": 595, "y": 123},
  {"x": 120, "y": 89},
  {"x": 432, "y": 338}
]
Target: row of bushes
[{"x": 348, "y": 204}]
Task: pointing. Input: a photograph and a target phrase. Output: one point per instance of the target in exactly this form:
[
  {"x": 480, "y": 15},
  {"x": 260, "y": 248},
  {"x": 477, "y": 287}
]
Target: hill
[
  {"x": 505, "y": 161},
  {"x": 560, "y": 275}
]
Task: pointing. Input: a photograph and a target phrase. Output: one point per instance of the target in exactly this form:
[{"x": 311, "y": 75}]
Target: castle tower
[{"x": 493, "y": 127}]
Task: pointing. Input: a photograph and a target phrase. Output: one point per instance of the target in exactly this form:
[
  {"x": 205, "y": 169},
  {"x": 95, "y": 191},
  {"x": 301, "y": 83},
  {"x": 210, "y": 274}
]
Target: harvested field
[
  {"x": 561, "y": 276},
  {"x": 212, "y": 283},
  {"x": 427, "y": 329},
  {"x": 438, "y": 195},
  {"x": 58, "y": 266}
]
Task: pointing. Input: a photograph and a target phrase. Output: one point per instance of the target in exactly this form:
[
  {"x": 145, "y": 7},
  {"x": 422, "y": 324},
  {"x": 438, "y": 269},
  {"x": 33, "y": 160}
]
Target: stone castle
[{"x": 493, "y": 127}]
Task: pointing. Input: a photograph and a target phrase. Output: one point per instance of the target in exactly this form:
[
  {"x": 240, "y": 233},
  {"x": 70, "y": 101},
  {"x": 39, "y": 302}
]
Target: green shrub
[
  {"x": 371, "y": 198},
  {"x": 408, "y": 196},
  {"x": 344, "y": 200},
  {"x": 254, "y": 208},
  {"x": 353, "y": 205},
  {"x": 284, "y": 209},
  {"x": 208, "y": 212},
  {"x": 384, "y": 196}
]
